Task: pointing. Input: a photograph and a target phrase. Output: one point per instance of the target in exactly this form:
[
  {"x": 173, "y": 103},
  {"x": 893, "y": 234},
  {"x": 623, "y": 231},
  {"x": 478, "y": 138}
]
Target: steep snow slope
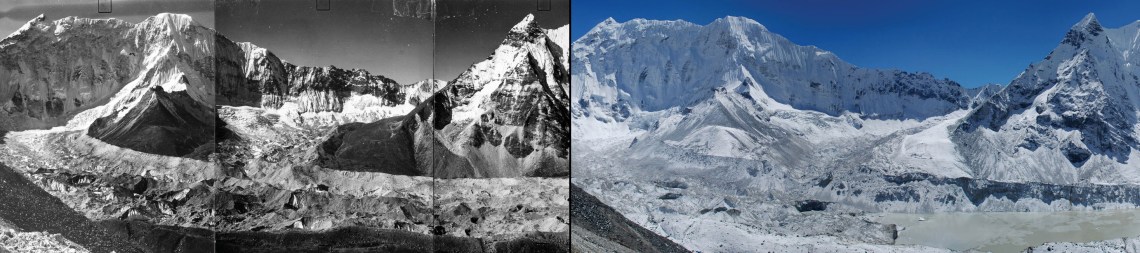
[
  {"x": 983, "y": 93},
  {"x": 1070, "y": 118},
  {"x": 734, "y": 89},
  {"x": 648, "y": 65},
  {"x": 49, "y": 71}
]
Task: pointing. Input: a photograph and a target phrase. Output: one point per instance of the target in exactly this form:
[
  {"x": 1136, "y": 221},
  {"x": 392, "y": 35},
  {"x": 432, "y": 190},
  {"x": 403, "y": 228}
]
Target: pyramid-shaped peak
[
  {"x": 525, "y": 24},
  {"x": 1088, "y": 29},
  {"x": 525, "y": 30},
  {"x": 1088, "y": 24},
  {"x": 609, "y": 20},
  {"x": 1088, "y": 19}
]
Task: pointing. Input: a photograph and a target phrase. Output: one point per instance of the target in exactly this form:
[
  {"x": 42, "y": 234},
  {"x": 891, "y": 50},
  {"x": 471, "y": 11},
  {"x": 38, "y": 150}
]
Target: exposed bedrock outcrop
[{"x": 254, "y": 76}]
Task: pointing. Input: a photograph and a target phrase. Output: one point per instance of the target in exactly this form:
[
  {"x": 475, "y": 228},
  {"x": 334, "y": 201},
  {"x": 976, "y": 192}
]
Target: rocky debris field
[
  {"x": 597, "y": 227},
  {"x": 360, "y": 239},
  {"x": 105, "y": 183},
  {"x": 11, "y": 241},
  {"x": 1122, "y": 245},
  {"x": 25, "y": 206}
]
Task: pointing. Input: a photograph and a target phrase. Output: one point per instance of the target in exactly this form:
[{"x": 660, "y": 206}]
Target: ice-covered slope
[
  {"x": 504, "y": 117},
  {"x": 51, "y": 70},
  {"x": 1071, "y": 117},
  {"x": 650, "y": 65},
  {"x": 734, "y": 89}
]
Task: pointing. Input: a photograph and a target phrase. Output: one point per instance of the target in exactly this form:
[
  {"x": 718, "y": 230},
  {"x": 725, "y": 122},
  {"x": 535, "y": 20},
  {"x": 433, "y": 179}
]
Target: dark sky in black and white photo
[
  {"x": 15, "y": 13},
  {"x": 351, "y": 34},
  {"x": 468, "y": 31},
  {"x": 393, "y": 38}
]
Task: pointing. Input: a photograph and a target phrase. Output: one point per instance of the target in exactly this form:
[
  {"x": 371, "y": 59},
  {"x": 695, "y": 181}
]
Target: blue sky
[{"x": 971, "y": 42}]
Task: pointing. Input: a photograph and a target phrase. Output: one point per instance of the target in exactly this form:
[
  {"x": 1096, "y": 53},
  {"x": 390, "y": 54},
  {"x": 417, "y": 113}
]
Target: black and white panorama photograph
[{"x": 284, "y": 126}]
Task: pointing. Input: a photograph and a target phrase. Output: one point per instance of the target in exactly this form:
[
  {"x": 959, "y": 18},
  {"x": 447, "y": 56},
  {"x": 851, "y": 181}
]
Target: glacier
[{"x": 778, "y": 142}]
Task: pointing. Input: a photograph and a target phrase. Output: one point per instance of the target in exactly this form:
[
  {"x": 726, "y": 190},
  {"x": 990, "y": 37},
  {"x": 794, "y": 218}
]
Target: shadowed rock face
[
  {"x": 394, "y": 145},
  {"x": 596, "y": 223},
  {"x": 383, "y": 146},
  {"x": 170, "y": 124}
]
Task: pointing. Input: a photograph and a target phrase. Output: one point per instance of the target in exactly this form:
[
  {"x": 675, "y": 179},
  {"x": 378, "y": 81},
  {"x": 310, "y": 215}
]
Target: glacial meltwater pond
[{"x": 1010, "y": 231}]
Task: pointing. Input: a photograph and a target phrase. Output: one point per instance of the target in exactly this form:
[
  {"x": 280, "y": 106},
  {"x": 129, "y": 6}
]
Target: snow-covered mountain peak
[
  {"x": 526, "y": 30},
  {"x": 169, "y": 22},
  {"x": 32, "y": 22},
  {"x": 521, "y": 49},
  {"x": 503, "y": 116},
  {"x": 174, "y": 19},
  {"x": 29, "y": 25},
  {"x": 607, "y": 24},
  {"x": 524, "y": 25},
  {"x": 608, "y": 21},
  {"x": 1081, "y": 103},
  {"x": 39, "y": 18},
  {"x": 739, "y": 23},
  {"x": 680, "y": 63},
  {"x": 610, "y": 29},
  {"x": 1088, "y": 29},
  {"x": 1087, "y": 23}
]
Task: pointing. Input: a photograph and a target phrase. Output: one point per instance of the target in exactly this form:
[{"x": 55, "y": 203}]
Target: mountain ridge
[
  {"x": 499, "y": 118},
  {"x": 761, "y": 63}
]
